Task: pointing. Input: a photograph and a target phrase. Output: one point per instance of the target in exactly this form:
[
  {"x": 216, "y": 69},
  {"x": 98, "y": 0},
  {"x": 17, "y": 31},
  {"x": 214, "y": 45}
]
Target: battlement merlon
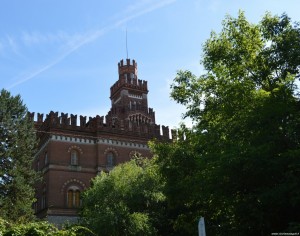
[
  {"x": 97, "y": 123},
  {"x": 127, "y": 67}
]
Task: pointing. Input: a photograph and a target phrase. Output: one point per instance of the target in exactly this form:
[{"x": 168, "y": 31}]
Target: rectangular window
[
  {"x": 74, "y": 158},
  {"x": 70, "y": 198},
  {"x": 110, "y": 160},
  {"x": 131, "y": 77},
  {"x": 77, "y": 199}
]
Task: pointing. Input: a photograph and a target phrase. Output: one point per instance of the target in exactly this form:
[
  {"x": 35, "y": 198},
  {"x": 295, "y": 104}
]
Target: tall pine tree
[{"x": 17, "y": 144}]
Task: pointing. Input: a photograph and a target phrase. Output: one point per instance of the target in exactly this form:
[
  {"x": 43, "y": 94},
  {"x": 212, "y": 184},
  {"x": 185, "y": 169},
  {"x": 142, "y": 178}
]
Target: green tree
[
  {"x": 41, "y": 228},
  {"x": 243, "y": 152},
  {"x": 17, "y": 145},
  {"x": 126, "y": 201},
  {"x": 179, "y": 166}
]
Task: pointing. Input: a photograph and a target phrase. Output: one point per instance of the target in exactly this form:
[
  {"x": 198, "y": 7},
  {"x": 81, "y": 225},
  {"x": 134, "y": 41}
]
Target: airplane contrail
[{"x": 90, "y": 37}]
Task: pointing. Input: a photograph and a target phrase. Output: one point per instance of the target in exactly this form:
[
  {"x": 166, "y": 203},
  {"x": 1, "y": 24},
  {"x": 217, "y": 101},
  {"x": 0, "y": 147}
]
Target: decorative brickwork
[
  {"x": 111, "y": 149},
  {"x": 72, "y": 181},
  {"x": 101, "y": 142},
  {"x": 76, "y": 148}
]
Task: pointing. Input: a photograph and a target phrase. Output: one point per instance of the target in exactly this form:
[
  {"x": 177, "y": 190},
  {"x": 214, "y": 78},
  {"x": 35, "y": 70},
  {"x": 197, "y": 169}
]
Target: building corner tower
[{"x": 129, "y": 101}]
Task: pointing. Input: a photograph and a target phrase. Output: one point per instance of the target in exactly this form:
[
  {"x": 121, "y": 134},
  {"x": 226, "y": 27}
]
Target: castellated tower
[
  {"x": 72, "y": 151},
  {"x": 129, "y": 102}
]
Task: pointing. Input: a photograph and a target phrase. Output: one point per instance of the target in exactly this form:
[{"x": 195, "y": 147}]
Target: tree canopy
[
  {"x": 17, "y": 147},
  {"x": 126, "y": 201},
  {"x": 41, "y": 228},
  {"x": 239, "y": 165}
]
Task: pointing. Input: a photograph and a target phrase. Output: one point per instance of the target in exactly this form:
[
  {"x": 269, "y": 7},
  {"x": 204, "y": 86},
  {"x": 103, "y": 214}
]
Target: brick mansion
[{"x": 73, "y": 149}]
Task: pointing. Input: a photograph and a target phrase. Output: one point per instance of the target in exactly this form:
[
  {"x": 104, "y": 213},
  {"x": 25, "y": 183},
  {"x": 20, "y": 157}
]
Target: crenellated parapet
[
  {"x": 135, "y": 84},
  {"x": 151, "y": 113},
  {"x": 128, "y": 78},
  {"x": 136, "y": 126},
  {"x": 40, "y": 117},
  {"x": 80, "y": 147},
  {"x": 30, "y": 116},
  {"x": 127, "y": 66},
  {"x": 174, "y": 134},
  {"x": 82, "y": 121},
  {"x": 165, "y": 131},
  {"x": 139, "y": 113},
  {"x": 129, "y": 115}
]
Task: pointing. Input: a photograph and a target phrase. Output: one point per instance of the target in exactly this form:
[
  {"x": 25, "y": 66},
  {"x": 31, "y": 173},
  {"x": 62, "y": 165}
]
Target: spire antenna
[{"x": 126, "y": 45}]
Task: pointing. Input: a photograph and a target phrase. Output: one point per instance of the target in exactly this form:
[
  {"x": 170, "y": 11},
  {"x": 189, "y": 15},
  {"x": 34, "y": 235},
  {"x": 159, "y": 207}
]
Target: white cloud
[
  {"x": 13, "y": 45},
  {"x": 33, "y": 38}
]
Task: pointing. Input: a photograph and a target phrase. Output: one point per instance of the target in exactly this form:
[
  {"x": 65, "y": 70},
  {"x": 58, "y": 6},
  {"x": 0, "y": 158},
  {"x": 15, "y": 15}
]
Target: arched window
[
  {"x": 73, "y": 197},
  {"x": 110, "y": 162},
  {"x": 139, "y": 105},
  {"x": 131, "y": 77},
  {"x": 134, "y": 105},
  {"x": 74, "y": 157}
]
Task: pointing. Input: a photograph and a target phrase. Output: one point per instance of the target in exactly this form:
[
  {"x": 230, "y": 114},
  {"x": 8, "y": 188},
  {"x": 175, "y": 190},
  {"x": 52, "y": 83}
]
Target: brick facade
[{"x": 70, "y": 154}]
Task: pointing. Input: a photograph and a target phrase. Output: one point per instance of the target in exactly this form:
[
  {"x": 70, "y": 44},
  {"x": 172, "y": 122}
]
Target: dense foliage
[
  {"x": 127, "y": 201},
  {"x": 41, "y": 229},
  {"x": 239, "y": 166},
  {"x": 17, "y": 144}
]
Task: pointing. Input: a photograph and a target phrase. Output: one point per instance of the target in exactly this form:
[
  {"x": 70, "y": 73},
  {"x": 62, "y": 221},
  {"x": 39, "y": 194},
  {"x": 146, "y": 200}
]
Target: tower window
[
  {"x": 131, "y": 77},
  {"x": 74, "y": 158},
  {"x": 110, "y": 162},
  {"x": 134, "y": 105}
]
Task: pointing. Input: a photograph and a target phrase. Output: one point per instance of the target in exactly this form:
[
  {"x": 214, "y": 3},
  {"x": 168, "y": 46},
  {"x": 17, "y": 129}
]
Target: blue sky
[{"x": 62, "y": 55}]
